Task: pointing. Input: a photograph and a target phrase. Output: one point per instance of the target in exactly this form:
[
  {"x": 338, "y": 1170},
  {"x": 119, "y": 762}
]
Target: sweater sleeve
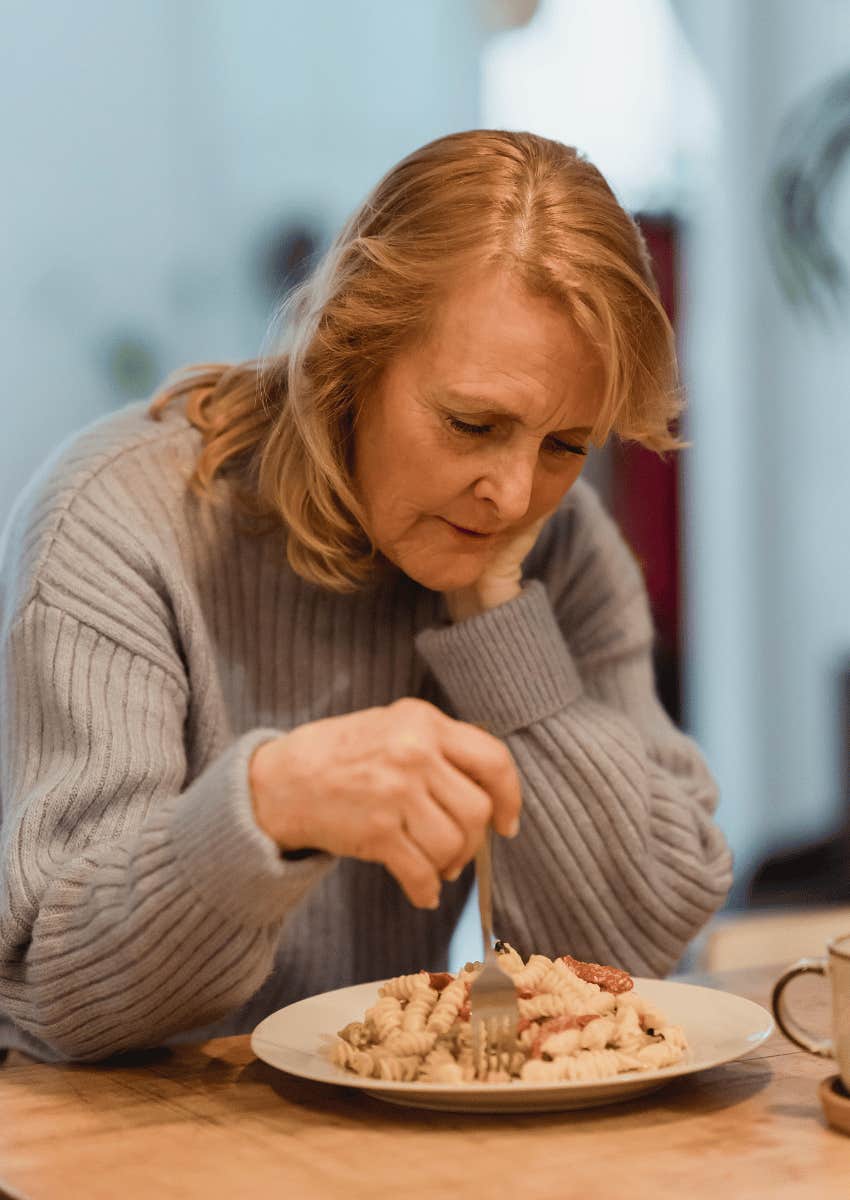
[
  {"x": 133, "y": 906},
  {"x": 618, "y": 858}
]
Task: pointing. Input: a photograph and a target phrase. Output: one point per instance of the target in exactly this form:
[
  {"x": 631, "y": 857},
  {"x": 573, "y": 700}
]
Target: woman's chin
[{"x": 441, "y": 577}]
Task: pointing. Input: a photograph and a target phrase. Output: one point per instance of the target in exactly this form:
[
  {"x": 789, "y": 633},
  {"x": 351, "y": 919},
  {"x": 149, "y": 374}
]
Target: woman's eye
[
  {"x": 555, "y": 445},
  {"x": 464, "y": 427},
  {"x": 562, "y": 448}
]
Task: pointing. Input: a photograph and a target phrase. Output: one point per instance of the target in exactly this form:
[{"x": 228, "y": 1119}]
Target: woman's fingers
[
  {"x": 415, "y": 873},
  {"x": 488, "y": 763},
  {"x": 435, "y": 829},
  {"x": 469, "y": 807}
]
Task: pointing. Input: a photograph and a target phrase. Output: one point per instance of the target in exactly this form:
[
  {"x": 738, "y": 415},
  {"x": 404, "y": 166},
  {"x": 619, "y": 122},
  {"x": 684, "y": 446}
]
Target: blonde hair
[{"x": 281, "y": 428}]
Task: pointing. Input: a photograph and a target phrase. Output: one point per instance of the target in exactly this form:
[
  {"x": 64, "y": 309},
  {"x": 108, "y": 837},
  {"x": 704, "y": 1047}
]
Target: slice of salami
[{"x": 610, "y": 979}]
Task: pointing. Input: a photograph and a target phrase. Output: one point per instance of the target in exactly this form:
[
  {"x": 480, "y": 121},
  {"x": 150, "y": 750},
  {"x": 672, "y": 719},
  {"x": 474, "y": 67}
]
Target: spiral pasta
[{"x": 579, "y": 1022}]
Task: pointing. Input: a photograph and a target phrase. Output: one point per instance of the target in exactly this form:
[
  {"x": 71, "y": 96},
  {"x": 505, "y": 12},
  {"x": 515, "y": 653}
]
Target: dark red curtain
[{"x": 645, "y": 498}]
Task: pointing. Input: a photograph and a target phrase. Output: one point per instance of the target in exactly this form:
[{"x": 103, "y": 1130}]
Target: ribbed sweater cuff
[
  {"x": 507, "y": 667},
  {"x": 236, "y": 867}
]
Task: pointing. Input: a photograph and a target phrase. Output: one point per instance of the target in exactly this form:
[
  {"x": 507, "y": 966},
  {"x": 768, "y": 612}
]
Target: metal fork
[{"x": 492, "y": 999}]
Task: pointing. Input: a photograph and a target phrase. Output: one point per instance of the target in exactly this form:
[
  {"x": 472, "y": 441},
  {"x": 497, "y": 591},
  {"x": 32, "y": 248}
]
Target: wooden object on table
[
  {"x": 754, "y": 939},
  {"x": 211, "y": 1121},
  {"x": 835, "y": 1103}
]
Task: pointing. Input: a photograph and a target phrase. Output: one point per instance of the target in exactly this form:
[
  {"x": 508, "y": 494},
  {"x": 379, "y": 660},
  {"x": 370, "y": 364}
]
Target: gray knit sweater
[{"x": 148, "y": 645}]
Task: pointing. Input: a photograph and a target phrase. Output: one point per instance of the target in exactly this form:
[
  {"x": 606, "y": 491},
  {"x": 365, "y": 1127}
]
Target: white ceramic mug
[{"x": 836, "y": 966}]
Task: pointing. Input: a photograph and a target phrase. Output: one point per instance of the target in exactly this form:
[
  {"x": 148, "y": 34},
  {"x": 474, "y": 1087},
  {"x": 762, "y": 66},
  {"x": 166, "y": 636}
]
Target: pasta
[{"x": 578, "y": 1022}]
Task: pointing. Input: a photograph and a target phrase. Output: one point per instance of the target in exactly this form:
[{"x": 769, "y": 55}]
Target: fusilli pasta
[{"x": 578, "y": 1021}]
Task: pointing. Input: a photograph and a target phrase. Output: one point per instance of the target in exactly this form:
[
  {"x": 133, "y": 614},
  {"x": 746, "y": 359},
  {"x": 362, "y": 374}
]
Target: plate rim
[{"x": 519, "y": 1087}]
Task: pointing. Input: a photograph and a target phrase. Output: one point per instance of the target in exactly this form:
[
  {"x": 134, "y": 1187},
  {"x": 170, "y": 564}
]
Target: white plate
[{"x": 719, "y": 1027}]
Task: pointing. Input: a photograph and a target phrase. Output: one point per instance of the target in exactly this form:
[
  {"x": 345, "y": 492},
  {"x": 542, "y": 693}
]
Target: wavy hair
[{"x": 281, "y": 428}]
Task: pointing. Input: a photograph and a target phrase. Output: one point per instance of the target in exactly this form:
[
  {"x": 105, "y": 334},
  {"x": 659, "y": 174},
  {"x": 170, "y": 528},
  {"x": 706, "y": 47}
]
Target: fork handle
[{"x": 484, "y": 875}]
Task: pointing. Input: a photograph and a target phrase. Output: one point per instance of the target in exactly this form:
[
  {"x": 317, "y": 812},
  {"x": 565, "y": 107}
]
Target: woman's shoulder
[
  {"x": 90, "y": 488},
  {"x": 105, "y": 443}
]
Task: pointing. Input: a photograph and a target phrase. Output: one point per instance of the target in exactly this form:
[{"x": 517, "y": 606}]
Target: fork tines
[
  {"x": 494, "y": 1045},
  {"x": 494, "y": 1014}
]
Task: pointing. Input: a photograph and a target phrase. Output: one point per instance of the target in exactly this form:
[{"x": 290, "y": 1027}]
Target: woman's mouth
[{"x": 471, "y": 534}]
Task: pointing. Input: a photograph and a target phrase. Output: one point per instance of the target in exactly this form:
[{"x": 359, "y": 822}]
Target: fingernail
[
  {"x": 453, "y": 875},
  {"x": 435, "y": 903},
  {"x": 514, "y": 828}
]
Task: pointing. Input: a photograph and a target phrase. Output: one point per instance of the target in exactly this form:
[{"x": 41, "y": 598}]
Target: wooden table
[{"x": 211, "y": 1121}]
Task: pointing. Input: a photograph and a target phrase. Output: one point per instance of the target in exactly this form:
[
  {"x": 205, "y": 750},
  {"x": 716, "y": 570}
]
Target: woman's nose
[{"x": 508, "y": 486}]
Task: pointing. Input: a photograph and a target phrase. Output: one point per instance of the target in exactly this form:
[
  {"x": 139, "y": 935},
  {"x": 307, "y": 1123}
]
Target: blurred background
[{"x": 173, "y": 166}]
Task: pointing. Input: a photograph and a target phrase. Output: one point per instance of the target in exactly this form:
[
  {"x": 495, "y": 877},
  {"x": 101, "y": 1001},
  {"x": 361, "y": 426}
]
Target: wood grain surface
[{"x": 211, "y": 1121}]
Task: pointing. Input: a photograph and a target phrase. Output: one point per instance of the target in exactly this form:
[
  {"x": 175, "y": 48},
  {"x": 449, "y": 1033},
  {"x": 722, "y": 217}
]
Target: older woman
[{"x": 273, "y": 659}]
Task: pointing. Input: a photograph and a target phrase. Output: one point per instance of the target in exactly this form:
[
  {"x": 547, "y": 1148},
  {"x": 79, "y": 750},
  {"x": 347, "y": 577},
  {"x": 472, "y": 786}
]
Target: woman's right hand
[{"x": 404, "y": 785}]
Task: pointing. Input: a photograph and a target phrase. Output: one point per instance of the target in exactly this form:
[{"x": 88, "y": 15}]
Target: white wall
[
  {"x": 768, "y": 482},
  {"x": 150, "y": 144},
  {"x": 650, "y": 111},
  {"x": 86, "y": 224}
]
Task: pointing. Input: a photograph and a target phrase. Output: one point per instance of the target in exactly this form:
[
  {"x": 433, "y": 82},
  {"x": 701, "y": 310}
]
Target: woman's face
[{"x": 476, "y": 432}]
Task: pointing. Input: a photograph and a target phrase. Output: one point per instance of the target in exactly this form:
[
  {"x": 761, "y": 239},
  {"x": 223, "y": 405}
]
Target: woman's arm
[
  {"x": 618, "y": 857},
  {"x": 133, "y": 906}
]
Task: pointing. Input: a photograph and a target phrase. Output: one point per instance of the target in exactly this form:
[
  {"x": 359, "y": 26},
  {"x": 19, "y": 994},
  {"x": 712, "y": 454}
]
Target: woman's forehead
[
  {"x": 528, "y": 375},
  {"x": 495, "y": 319}
]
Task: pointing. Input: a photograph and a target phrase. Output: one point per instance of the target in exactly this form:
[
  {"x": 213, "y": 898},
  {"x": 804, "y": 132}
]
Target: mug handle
[{"x": 793, "y": 1031}]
